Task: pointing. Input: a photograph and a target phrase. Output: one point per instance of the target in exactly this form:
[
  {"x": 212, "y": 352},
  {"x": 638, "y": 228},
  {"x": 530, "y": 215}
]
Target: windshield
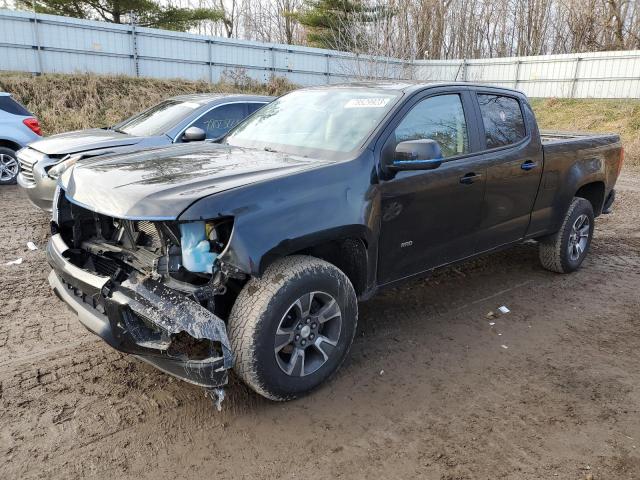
[
  {"x": 157, "y": 120},
  {"x": 335, "y": 120}
]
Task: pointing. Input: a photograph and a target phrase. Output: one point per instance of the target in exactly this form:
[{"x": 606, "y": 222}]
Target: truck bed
[
  {"x": 555, "y": 137},
  {"x": 556, "y": 142}
]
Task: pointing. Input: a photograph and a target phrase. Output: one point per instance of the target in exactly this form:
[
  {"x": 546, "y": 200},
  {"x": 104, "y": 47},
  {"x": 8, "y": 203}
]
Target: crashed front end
[{"x": 147, "y": 288}]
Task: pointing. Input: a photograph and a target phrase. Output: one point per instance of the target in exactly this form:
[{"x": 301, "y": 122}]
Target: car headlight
[
  {"x": 56, "y": 200},
  {"x": 57, "y": 170}
]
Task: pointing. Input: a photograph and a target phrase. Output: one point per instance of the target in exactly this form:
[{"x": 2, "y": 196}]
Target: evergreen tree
[
  {"x": 334, "y": 24},
  {"x": 147, "y": 13}
]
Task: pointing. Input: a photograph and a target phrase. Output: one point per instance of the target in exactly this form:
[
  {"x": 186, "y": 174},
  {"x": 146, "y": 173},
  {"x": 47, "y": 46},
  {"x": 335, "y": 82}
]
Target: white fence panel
[{"x": 48, "y": 44}]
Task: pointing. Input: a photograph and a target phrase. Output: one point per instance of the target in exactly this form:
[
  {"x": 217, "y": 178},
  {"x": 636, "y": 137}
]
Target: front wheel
[
  {"x": 8, "y": 166},
  {"x": 292, "y": 328},
  {"x": 564, "y": 251}
]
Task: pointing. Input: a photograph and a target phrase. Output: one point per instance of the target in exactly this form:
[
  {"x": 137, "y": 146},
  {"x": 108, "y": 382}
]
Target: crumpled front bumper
[
  {"x": 40, "y": 190},
  {"x": 142, "y": 317}
]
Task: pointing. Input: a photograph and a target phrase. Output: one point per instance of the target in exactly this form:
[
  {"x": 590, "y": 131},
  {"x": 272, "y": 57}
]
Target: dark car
[
  {"x": 252, "y": 254},
  {"x": 186, "y": 118}
]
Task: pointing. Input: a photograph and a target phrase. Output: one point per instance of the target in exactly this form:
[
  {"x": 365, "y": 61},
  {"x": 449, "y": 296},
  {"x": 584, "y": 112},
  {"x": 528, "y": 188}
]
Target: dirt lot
[{"x": 428, "y": 391}]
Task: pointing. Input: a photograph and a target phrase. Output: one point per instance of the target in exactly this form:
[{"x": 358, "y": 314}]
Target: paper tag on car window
[{"x": 374, "y": 102}]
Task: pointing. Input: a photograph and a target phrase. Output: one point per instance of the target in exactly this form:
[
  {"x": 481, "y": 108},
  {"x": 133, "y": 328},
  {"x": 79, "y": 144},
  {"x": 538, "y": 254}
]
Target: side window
[
  {"x": 9, "y": 105},
  {"x": 502, "y": 119},
  {"x": 254, "y": 106},
  {"x": 439, "y": 118},
  {"x": 220, "y": 120}
]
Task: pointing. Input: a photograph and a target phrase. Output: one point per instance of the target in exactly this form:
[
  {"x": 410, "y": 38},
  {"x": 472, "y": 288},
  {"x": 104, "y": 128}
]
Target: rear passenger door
[{"x": 513, "y": 157}]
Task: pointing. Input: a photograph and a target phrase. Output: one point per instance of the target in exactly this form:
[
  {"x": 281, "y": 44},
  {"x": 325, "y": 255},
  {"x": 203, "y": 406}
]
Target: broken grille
[
  {"x": 149, "y": 234},
  {"x": 26, "y": 167}
]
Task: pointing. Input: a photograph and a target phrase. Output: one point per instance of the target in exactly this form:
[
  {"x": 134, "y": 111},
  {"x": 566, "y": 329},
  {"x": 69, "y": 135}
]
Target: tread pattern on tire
[
  {"x": 253, "y": 302},
  {"x": 550, "y": 249}
]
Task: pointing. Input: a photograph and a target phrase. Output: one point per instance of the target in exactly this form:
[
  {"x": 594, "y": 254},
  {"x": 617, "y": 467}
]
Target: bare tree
[
  {"x": 443, "y": 29},
  {"x": 271, "y": 21}
]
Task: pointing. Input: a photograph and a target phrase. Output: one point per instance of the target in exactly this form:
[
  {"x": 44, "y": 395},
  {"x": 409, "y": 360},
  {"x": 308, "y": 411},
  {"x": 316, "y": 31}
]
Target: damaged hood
[
  {"x": 161, "y": 183},
  {"x": 83, "y": 140}
]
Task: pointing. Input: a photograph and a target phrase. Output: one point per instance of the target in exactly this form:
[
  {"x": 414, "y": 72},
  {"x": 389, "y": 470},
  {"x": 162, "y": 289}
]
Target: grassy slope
[
  {"x": 618, "y": 116},
  {"x": 70, "y": 102}
]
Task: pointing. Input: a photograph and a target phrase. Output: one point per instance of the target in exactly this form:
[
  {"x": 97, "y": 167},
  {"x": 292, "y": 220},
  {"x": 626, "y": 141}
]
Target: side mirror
[
  {"x": 416, "y": 155},
  {"x": 194, "y": 134}
]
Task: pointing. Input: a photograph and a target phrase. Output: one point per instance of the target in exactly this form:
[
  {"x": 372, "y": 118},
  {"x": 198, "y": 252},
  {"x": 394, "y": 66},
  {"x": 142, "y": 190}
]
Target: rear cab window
[
  {"x": 502, "y": 119},
  {"x": 9, "y": 105}
]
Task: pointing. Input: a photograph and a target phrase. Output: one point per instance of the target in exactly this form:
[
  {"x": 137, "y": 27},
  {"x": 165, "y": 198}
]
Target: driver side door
[{"x": 432, "y": 217}]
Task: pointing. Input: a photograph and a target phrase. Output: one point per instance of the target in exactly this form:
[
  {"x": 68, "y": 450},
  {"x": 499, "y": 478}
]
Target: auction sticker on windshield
[{"x": 374, "y": 102}]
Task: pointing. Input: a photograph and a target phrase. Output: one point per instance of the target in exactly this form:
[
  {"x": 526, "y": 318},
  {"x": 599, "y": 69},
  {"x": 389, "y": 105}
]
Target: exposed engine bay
[{"x": 160, "y": 285}]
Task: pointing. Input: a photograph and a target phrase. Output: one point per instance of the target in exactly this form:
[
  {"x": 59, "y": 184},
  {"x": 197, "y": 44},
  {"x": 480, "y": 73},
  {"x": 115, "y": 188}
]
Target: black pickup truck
[{"x": 252, "y": 253}]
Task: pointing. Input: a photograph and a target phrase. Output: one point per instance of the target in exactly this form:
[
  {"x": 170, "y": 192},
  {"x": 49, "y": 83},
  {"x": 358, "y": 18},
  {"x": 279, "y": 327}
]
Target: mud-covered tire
[
  {"x": 554, "y": 250},
  {"x": 9, "y": 166},
  {"x": 259, "y": 311}
]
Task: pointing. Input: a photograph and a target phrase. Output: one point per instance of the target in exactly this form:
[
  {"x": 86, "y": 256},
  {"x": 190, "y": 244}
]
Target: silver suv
[
  {"x": 18, "y": 127},
  {"x": 187, "y": 118}
]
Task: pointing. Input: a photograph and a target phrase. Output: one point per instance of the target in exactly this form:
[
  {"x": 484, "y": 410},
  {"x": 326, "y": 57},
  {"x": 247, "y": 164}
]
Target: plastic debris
[
  {"x": 381, "y": 372},
  {"x": 491, "y": 315},
  {"x": 504, "y": 346},
  {"x": 217, "y": 395},
  {"x": 503, "y": 309},
  {"x": 17, "y": 261},
  {"x": 499, "y": 334},
  {"x": 491, "y": 324},
  {"x": 31, "y": 246}
]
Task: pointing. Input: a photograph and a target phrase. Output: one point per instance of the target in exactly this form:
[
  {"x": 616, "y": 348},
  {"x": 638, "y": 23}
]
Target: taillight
[
  {"x": 33, "y": 125},
  {"x": 621, "y": 160}
]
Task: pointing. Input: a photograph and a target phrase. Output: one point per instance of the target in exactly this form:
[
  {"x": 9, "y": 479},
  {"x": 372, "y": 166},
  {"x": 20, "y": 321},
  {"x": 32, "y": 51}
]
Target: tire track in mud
[
  {"x": 67, "y": 383},
  {"x": 73, "y": 406}
]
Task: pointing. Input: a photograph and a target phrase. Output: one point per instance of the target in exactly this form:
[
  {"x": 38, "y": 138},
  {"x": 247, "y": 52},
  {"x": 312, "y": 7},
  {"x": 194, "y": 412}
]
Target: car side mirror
[
  {"x": 194, "y": 134},
  {"x": 416, "y": 155}
]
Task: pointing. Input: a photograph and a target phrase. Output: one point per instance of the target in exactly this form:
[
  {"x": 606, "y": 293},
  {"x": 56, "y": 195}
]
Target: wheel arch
[
  {"x": 346, "y": 248},
  {"x": 594, "y": 192},
  {"x": 10, "y": 144}
]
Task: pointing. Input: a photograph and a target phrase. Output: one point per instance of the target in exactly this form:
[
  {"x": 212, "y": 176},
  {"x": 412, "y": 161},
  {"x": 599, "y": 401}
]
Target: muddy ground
[{"x": 428, "y": 390}]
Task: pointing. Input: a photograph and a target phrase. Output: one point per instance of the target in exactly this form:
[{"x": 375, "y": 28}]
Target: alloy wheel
[
  {"x": 579, "y": 237},
  {"x": 8, "y": 167},
  {"x": 308, "y": 334}
]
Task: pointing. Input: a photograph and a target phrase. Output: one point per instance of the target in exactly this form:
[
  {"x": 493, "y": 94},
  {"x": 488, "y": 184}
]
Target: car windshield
[
  {"x": 157, "y": 120},
  {"x": 317, "y": 122}
]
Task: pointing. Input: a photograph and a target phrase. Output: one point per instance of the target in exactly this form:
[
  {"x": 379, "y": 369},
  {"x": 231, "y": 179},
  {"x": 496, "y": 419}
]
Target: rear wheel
[
  {"x": 292, "y": 328},
  {"x": 8, "y": 166},
  {"x": 564, "y": 251}
]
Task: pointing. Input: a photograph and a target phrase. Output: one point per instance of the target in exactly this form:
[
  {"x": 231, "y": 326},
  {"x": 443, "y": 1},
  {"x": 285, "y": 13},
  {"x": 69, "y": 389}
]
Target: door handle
[
  {"x": 470, "y": 177},
  {"x": 528, "y": 165}
]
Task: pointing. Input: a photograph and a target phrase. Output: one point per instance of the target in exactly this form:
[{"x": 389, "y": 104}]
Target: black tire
[
  {"x": 4, "y": 164},
  {"x": 559, "y": 252},
  {"x": 262, "y": 307}
]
